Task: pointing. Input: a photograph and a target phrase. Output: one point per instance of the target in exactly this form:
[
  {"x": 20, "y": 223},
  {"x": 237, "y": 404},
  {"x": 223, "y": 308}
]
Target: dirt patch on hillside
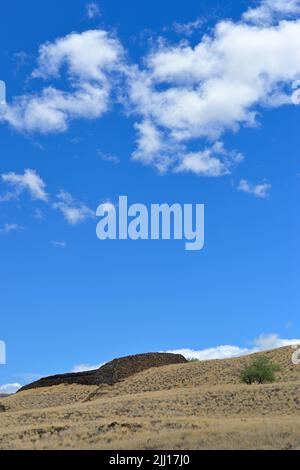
[{"x": 113, "y": 372}]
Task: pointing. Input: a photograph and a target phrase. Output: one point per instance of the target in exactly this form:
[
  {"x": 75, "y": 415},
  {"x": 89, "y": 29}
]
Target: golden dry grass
[{"x": 188, "y": 406}]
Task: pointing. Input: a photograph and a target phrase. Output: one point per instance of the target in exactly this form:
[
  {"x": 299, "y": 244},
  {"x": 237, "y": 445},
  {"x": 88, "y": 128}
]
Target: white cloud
[
  {"x": 21, "y": 58},
  {"x": 8, "y": 228},
  {"x": 85, "y": 368},
  {"x": 153, "y": 148},
  {"x": 188, "y": 28},
  {"x": 30, "y": 181},
  {"x": 165, "y": 153},
  {"x": 52, "y": 109},
  {"x": 263, "y": 343},
  {"x": 272, "y": 341},
  {"x": 10, "y": 388},
  {"x": 260, "y": 190},
  {"x": 90, "y": 59},
  {"x": 269, "y": 11},
  {"x": 73, "y": 211},
  {"x": 92, "y": 10},
  {"x": 185, "y": 96},
  {"x": 109, "y": 158},
  {"x": 38, "y": 214},
  {"x": 219, "y": 352},
  {"x": 214, "y": 161},
  {"x": 88, "y": 56},
  {"x": 193, "y": 94}
]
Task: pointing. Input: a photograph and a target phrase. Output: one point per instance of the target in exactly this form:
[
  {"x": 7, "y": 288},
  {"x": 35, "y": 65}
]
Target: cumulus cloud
[
  {"x": 153, "y": 148},
  {"x": 260, "y": 190},
  {"x": 90, "y": 59},
  {"x": 30, "y": 182},
  {"x": 273, "y": 341},
  {"x": 88, "y": 56},
  {"x": 269, "y": 11},
  {"x": 10, "y": 388},
  {"x": 262, "y": 343},
  {"x": 185, "y": 97},
  {"x": 75, "y": 212},
  {"x": 166, "y": 153},
  {"x": 92, "y": 10},
  {"x": 8, "y": 228},
  {"x": 196, "y": 94},
  {"x": 215, "y": 161},
  {"x": 52, "y": 109}
]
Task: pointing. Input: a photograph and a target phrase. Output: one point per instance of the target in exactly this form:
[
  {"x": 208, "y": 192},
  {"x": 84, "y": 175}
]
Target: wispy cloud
[
  {"x": 92, "y": 10},
  {"x": 259, "y": 190},
  {"x": 38, "y": 214},
  {"x": 188, "y": 28},
  {"x": 29, "y": 182},
  {"x": 75, "y": 212},
  {"x": 8, "y": 228},
  {"x": 109, "y": 158},
  {"x": 262, "y": 343}
]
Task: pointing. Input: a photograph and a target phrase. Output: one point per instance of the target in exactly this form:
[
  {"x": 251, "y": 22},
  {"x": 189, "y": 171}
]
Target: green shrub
[{"x": 261, "y": 371}]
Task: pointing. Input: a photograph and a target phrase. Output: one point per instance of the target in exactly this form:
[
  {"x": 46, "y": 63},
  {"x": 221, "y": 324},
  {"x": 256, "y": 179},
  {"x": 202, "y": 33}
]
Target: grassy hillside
[{"x": 187, "y": 406}]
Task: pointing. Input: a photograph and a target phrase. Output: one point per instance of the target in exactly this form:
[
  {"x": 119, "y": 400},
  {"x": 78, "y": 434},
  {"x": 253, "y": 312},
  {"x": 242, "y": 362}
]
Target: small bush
[
  {"x": 261, "y": 371},
  {"x": 2, "y": 408}
]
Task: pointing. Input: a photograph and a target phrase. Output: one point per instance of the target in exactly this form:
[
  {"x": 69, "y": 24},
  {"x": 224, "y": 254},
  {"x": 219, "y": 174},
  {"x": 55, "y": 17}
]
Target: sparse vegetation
[
  {"x": 200, "y": 405},
  {"x": 261, "y": 371}
]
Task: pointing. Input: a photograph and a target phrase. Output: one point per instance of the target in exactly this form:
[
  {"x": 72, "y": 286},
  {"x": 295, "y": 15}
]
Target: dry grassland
[{"x": 188, "y": 406}]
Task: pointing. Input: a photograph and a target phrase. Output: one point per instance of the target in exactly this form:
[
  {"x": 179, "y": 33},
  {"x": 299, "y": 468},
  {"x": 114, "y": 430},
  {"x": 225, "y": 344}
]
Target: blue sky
[{"x": 189, "y": 102}]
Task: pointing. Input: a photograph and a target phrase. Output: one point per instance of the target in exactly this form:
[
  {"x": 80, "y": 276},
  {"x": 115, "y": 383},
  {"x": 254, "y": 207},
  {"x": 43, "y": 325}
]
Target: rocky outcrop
[{"x": 112, "y": 372}]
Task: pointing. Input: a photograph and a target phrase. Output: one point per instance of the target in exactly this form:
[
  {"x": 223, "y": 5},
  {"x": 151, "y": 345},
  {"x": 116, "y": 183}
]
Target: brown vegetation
[{"x": 198, "y": 405}]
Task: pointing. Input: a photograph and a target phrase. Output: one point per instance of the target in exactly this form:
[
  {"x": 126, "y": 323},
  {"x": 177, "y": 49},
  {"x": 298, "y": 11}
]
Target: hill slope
[
  {"x": 112, "y": 372},
  {"x": 186, "y": 406}
]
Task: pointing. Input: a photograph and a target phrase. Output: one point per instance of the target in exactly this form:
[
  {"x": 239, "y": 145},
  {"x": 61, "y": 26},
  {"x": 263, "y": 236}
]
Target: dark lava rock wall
[{"x": 112, "y": 372}]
